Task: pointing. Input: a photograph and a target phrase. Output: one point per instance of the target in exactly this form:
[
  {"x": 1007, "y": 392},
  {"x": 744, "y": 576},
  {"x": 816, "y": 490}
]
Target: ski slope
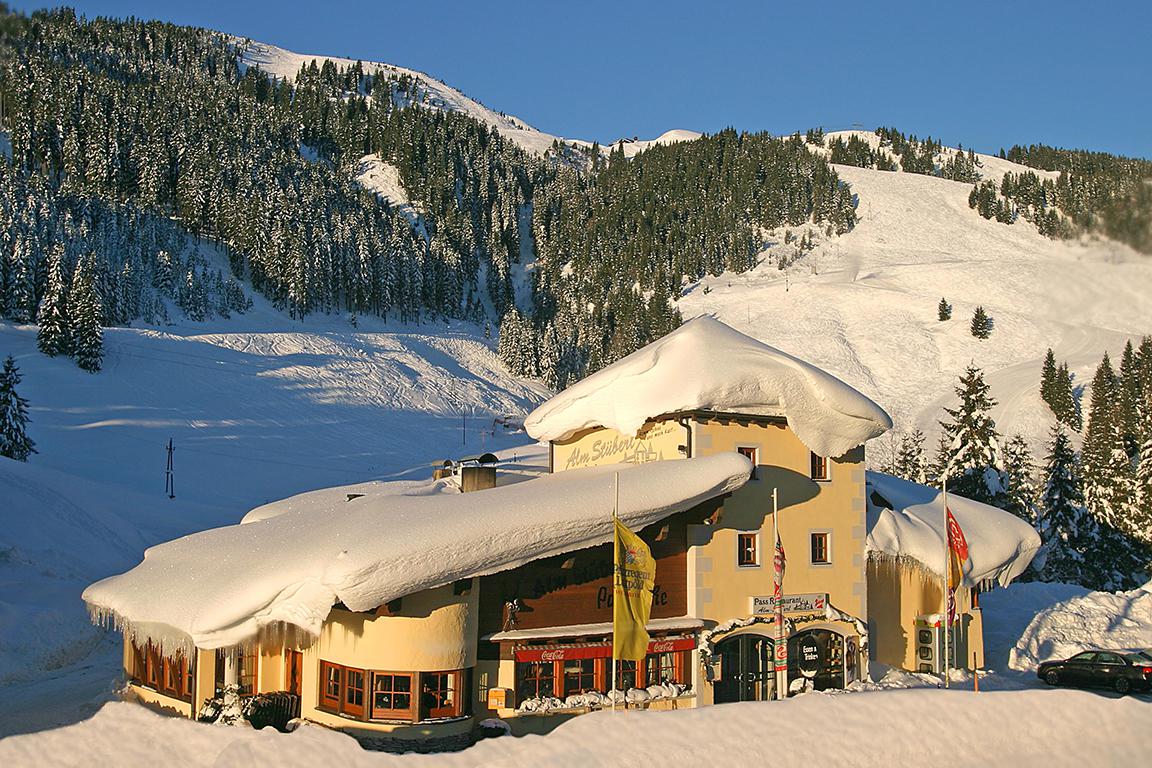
[{"x": 863, "y": 305}]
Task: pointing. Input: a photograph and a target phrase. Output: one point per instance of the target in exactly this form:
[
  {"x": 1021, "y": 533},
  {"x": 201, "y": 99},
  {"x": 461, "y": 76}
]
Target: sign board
[
  {"x": 661, "y": 441},
  {"x": 809, "y": 659},
  {"x": 811, "y": 602},
  {"x": 597, "y": 650}
]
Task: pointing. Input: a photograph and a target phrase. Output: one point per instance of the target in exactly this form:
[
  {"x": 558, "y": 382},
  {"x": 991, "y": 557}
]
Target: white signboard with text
[{"x": 812, "y": 602}]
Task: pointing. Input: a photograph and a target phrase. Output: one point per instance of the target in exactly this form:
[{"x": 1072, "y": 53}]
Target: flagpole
[
  {"x": 781, "y": 675},
  {"x": 615, "y": 565},
  {"x": 947, "y": 565}
]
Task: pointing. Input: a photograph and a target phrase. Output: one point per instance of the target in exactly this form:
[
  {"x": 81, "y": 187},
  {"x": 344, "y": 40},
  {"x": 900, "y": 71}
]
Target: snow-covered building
[{"x": 416, "y": 611}]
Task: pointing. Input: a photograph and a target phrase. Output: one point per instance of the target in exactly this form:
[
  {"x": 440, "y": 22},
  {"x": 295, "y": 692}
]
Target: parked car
[{"x": 1120, "y": 671}]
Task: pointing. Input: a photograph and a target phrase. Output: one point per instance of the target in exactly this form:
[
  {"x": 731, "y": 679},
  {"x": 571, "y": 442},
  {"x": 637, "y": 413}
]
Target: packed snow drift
[
  {"x": 1108, "y": 620},
  {"x": 220, "y": 587},
  {"x": 706, "y": 365},
  {"x": 907, "y": 520},
  {"x": 887, "y": 728}
]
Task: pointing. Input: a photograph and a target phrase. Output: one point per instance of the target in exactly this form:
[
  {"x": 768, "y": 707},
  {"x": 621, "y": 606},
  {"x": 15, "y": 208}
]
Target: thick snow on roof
[
  {"x": 1000, "y": 545},
  {"x": 707, "y": 365},
  {"x": 220, "y": 587}
]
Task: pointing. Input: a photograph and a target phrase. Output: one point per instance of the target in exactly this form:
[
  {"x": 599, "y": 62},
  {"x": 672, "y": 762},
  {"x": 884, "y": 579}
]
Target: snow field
[
  {"x": 863, "y": 305},
  {"x": 895, "y": 727},
  {"x": 1117, "y": 621}
]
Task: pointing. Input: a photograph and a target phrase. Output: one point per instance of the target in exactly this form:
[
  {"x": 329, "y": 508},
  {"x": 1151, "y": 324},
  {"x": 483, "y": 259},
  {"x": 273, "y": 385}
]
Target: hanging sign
[
  {"x": 809, "y": 658},
  {"x": 812, "y": 602}
]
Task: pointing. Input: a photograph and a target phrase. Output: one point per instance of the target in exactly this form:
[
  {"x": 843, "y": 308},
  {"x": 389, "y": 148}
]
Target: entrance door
[{"x": 745, "y": 669}]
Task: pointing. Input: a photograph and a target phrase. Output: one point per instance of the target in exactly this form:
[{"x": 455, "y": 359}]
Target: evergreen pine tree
[
  {"x": 1108, "y": 480},
  {"x": 1066, "y": 405},
  {"x": 1142, "y": 513},
  {"x": 1048, "y": 382},
  {"x": 909, "y": 461},
  {"x": 1021, "y": 487},
  {"x": 1064, "y": 525},
  {"x": 941, "y": 460},
  {"x": 973, "y": 452},
  {"x": 943, "y": 310},
  {"x": 1131, "y": 391},
  {"x": 86, "y": 315},
  {"x": 54, "y": 336},
  {"x": 981, "y": 324},
  {"x": 14, "y": 440}
]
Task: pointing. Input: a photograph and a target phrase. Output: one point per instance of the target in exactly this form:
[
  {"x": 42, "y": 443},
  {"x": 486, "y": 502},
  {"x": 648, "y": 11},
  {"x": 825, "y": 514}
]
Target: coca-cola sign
[{"x": 598, "y": 650}]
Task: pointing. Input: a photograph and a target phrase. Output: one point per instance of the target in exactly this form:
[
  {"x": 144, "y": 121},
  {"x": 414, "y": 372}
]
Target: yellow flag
[{"x": 632, "y": 583}]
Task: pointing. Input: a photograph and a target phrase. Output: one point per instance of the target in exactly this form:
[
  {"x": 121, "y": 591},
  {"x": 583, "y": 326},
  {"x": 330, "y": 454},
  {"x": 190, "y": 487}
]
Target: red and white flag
[
  {"x": 779, "y": 561},
  {"x": 957, "y": 556}
]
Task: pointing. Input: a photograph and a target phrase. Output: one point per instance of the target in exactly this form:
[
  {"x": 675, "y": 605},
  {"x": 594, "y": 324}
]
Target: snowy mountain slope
[
  {"x": 286, "y": 64},
  {"x": 283, "y": 63},
  {"x": 636, "y": 146},
  {"x": 863, "y": 305}
]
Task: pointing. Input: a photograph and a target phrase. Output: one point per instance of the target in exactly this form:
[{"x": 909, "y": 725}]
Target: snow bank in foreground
[
  {"x": 1116, "y": 620},
  {"x": 706, "y": 365},
  {"x": 220, "y": 587},
  {"x": 883, "y": 728},
  {"x": 1000, "y": 545}
]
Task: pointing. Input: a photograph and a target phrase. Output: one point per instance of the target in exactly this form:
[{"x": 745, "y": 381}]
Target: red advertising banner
[{"x": 597, "y": 650}]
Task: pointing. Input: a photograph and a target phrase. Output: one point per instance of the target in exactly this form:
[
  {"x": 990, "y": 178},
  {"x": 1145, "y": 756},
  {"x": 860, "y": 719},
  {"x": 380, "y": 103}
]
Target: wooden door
[{"x": 293, "y": 671}]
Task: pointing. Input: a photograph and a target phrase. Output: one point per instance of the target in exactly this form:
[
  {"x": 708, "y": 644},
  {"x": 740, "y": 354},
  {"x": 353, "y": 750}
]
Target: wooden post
[{"x": 975, "y": 674}]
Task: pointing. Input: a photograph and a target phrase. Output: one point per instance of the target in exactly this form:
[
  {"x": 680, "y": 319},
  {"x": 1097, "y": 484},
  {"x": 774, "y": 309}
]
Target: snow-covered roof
[
  {"x": 707, "y": 365},
  {"x": 221, "y": 587},
  {"x": 1000, "y": 545}
]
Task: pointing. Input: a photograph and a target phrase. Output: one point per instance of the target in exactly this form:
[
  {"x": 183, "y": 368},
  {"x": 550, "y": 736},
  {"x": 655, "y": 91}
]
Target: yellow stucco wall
[
  {"x": 719, "y": 589},
  {"x": 722, "y": 587},
  {"x": 899, "y": 592},
  {"x": 435, "y": 630}
]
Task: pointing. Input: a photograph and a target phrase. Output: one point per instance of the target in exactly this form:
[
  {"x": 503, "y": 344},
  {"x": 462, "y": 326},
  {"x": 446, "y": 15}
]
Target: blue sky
[{"x": 986, "y": 74}]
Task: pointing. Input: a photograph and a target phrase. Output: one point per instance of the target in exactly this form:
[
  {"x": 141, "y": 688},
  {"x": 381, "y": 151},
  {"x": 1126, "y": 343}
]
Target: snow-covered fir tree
[
  {"x": 1142, "y": 511},
  {"x": 973, "y": 453},
  {"x": 981, "y": 326},
  {"x": 85, "y": 314},
  {"x": 1131, "y": 392},
  {"x": 1065, "y": 404},
  {"x": 14, "y": 440},
  {"x": 1048, "y": 380},
  {"x": 1108, "y": 476},
  {"x": 517, "y": 345},
  {"x": 943, "y": 310},
  {"x": 54, "y": 335},
  {"x": 1065, "y": 527},
  {"x": 909, "y": 462},
  {"x": 1019, "y": 468}
]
